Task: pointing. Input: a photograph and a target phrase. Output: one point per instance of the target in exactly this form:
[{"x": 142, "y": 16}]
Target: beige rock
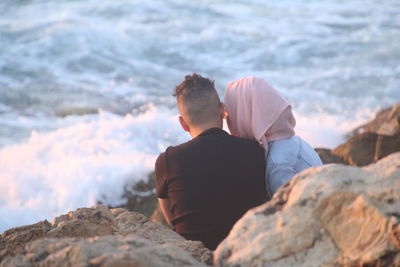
[
  {"x": 332, "y": 215},
  {"x": 84, "y": 222},
  {"x": 135, "y": 223},
  {"x": 358, "y": 150},
  {"x": 386, "y": 145},
  {"x": 15, "y": 239},
  {"x": 95, "y": 222},
  {"x": 386, "y": 122},
  {"x": 368, "y": 143},
  {"x": 365, "y": 148},
  {"x": 196, "y": 249},
  {"x": 113, "y": 251}
]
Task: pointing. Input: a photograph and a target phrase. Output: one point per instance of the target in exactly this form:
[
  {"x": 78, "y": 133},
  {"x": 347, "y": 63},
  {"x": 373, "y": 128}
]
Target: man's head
[{"x": 198, "y": 104}]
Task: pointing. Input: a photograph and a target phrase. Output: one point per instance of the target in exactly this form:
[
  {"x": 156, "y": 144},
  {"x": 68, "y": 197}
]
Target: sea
[{"x": 86, "y": 86}]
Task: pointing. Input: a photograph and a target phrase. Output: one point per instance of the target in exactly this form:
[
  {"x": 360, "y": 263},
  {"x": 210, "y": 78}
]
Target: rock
[
  {"x": 103, "y": 251},
  {"x": 135, "y": 223},
  {"x": 100, "y": 221},
  {"x": 359, "y": 150},
  {"x": 196, "y": 249},
  {"x": 368, "y": 143},
  {"x": 328, "y": 157},
  {"x": 362, "y": 149},
  {"x": 386, "y": 145},
  {"x": 132, "y": 222},
  {"x": 333, "y": 215},
  {"x": 386, "y": 122},
  {"x": 84, "y": 222},
  {"x": 11, "y": 241}
]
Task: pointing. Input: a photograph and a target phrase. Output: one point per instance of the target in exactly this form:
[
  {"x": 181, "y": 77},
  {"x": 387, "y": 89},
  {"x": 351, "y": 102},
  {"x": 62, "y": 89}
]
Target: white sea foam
[{"x": 72, "y": 167}]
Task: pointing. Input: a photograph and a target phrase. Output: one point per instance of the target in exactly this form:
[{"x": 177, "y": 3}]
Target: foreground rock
[
  {"x": 334, "y": 215},
  {"x": 99, "y": 221},
  {"x": 110, "y": 251},
  {"x": 370, "y": 142}
]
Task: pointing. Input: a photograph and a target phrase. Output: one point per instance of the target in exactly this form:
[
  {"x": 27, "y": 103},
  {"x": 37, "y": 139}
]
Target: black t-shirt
[{"x": 211, "y": 181}]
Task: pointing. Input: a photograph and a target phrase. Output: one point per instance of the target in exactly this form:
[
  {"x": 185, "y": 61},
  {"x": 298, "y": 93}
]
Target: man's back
[{"x": 211, "y": 181}]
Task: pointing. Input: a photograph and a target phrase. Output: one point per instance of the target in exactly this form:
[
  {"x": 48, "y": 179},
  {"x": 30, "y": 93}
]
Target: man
[{"x": 205, "y": 185}]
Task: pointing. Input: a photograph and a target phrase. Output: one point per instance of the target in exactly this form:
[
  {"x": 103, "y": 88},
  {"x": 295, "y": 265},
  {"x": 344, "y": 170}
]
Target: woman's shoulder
[
  {"x": 285, "y": 151},
  {"x": 290, "y": 151}
]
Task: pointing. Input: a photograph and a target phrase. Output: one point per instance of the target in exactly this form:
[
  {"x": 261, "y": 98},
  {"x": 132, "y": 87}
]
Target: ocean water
[{"x": 85, "y": 86}]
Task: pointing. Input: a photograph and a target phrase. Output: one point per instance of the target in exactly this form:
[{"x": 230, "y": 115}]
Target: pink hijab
[{"x": 257, "y": 111}]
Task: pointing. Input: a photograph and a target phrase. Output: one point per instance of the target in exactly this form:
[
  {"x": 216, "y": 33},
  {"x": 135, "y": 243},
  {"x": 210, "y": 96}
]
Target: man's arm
[
  {"x": 165, "y": 208},
  {"x": 161, "y": 186}
]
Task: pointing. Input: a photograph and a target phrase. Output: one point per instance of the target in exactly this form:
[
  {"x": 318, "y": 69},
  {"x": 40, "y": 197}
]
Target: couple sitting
[{"x": 205, "y": 185}]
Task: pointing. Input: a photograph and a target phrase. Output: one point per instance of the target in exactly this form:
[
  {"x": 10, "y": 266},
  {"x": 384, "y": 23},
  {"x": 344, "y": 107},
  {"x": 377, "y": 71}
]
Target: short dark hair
[
  {"x": 194, "y": 82},
  {"x": 199, "y": 97}
]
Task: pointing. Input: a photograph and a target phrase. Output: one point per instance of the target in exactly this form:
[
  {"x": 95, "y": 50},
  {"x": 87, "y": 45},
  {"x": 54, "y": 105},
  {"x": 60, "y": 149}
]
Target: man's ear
[
  {"x": 223, "y": 111},
  {"x": 184, "y": 125}
]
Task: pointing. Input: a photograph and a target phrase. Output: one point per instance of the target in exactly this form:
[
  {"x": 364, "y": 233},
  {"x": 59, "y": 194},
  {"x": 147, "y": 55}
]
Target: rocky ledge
[{"x": 99, "y": 236}]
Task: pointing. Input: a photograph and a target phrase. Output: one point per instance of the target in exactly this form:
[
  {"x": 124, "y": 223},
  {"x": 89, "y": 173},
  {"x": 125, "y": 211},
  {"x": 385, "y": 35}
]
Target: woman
[{"x": 257, "y": 111}]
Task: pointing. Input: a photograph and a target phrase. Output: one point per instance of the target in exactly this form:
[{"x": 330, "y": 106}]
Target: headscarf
[{"x": 257, "y": 111}]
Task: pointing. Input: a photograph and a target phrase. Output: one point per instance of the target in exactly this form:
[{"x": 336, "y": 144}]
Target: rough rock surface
[
  {"x": 333, "y": 215},
  {"x": 366, "y": 148},
  {"x": 386, "y": 122},
  {"x": 368, "y": 143},
  {"x": 15, "y": 238},
  {"x": 359, "y": 150},
  {"x": 328, "y": 157},
  {"x": 97, "y": 222},
  {"x": 104, "y": 251}
]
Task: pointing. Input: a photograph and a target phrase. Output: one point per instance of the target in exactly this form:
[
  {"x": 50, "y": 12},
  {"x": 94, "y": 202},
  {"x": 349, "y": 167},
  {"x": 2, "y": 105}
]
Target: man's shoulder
[
  {"x": 172, "y": 150},
  {"x": 228, "y": 143},
  {"x": 180, "y": 147},
  {"x": 172, "y": 155},
  {"x": 248, "y": 144}
]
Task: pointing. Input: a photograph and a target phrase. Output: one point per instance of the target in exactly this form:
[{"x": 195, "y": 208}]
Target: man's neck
[{"x": 195, "y": 131}]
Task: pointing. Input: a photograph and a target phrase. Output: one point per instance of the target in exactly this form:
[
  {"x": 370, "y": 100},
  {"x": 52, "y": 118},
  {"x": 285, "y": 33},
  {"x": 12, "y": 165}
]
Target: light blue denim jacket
[{"x": 286, "y": 158}]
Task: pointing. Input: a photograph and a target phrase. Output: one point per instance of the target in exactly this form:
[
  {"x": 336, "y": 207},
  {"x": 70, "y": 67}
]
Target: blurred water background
[{"x": 85, "y": 85}]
